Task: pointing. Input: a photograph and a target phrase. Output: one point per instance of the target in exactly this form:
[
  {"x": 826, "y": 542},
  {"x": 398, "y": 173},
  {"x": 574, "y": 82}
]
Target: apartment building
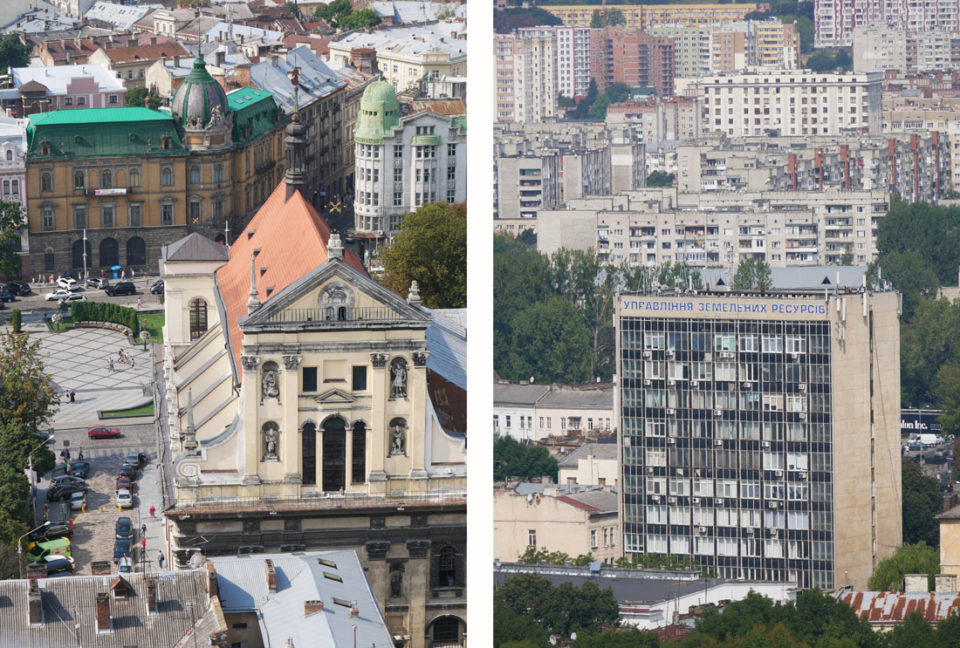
[
  {"x": 658, "y": 120},
  {"x": 691, "y": 48},
  {"x": 650, "y": 16},
  {"x": 782, "y": 228},
  {"x": 791, "y": 102},
  {"x": 760, "y": 432},
  {"x": 526, "y": 65},
  {"x": 573, "y": 57},
  {"x": 878, "y": 49},
  {"x": 836, "y": 21},
  {"x": 746, "y": 44},
  {"x": 628, "y": 55}
]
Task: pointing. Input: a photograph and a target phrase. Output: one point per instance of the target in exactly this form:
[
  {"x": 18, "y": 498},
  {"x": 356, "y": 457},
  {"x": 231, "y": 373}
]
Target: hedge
[{"x": 90, "y": 311}]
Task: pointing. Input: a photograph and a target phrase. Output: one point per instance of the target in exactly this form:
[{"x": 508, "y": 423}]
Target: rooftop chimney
[
  {"x": 35, "y": 601},
  {"x": 335, "y": 247},
  {"x": 312, "y": 607},
  {"x": 354, "y": 610},
  {"x": 103, "y": 612},
  {"x": 271, "y": 575},
  {"x": 945, "y": 583},
  {"x": 915, "y": 583},
  {"x": 36, "y": 570},
  {"x": 213, "y": 585},
  {"x": 151, "y": 595},
  {"x": 176, "y": 61}
]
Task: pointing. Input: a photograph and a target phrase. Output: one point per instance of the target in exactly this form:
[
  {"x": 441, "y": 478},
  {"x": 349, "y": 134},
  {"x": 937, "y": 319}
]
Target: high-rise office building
[{"x": 760, "y": 432}]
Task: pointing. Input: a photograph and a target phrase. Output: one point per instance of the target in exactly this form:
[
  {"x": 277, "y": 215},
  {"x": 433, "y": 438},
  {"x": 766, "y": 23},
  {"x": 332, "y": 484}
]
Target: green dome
[
  {"x": 197, "y": 97},
  {"x": 379, "y": 113}
]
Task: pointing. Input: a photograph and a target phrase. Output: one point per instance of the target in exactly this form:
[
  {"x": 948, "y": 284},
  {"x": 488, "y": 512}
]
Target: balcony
[{"x": 331, "y": 317}]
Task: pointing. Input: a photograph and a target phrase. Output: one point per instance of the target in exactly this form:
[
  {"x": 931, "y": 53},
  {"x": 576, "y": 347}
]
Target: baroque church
[{"x": 308, "y": 407}]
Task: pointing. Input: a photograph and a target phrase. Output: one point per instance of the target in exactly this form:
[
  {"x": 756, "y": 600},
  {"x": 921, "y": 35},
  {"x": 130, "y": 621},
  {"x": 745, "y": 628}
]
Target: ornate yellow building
[
  {"x": 298, "y": 404},
  {"x": 136, "y": 179}
]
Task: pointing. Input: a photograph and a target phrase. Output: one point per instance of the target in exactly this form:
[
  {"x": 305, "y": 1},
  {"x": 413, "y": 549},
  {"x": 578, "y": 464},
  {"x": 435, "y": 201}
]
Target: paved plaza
[{"x": 77, "y": 359}]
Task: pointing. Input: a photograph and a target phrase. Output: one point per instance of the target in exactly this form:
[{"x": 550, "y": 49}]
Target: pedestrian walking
[
  {"x": 160, "y": 559},
  {"x": 110, "y": 364},
  {"x": 133, "y": 273},
  {"x": 80, "y": 454},
  {"x": 123, "y": 274},
  {"x": 139, "y": 303},
  {"x": 143, "y": 530},
  {"x": 73, "y": 396},
  {"x": 153, "y": 511},
  {"x": 133, "y": 364},
  {"x": 143, "y": 546}
]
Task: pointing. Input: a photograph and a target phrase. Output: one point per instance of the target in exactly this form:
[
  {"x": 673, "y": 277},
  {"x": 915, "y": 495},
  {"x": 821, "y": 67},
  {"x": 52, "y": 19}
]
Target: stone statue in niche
[
  {"x": 271, "y": 435},
  {"x": 270, "y": 388},
  {"x": 398, "y": 438},
  {"x": 396, "y": 581},
  {"x": 398, "y": 371}
]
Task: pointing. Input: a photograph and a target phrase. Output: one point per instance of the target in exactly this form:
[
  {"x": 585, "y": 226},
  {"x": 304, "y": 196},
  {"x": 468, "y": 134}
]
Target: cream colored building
[
  {"x": 760, "y": 434},
  {"x": 302, "y": 409},
  {"x": 950, "y": 541},
  {"x": 591, "y": 463},
  {"x": 649, "y": 16},
  {"x": 569, "y": 519},
  {"x": 526, "y": 81}
]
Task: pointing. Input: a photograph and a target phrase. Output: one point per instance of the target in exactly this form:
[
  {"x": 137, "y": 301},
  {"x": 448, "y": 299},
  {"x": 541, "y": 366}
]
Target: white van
[{"x": 68, "y": 284}]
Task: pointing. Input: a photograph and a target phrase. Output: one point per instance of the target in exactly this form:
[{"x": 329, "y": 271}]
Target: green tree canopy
[
  {"x": 506, "y": 21},
  {"x": 753, "y": 274},
  {"x": 13, "y": 51},
  {"x": 17, "y": 442},
  {"x": 621, "y": 638},
  {"x": 514, "y": 459},
  {"x": 921, "y": 502},
  {"x": 11, "y": 223},
  {"x": 560, "y": 610},
  {"x": 431, "y": 249},
  {"x": 917, "y": 558},
  {"x": 661, "y": 179},
  {"x": 551, "y": 343},
  {"x": 28, "y": 396},
  {"x": 138, "y": 97},
  {"x": 360, "y": 19},
  {"x": 334, "y": 11}
]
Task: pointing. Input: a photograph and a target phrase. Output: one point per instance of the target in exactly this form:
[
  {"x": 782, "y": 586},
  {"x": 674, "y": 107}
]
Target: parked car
[
  {"x": 72, "y": 297},
  {"x": 67, "y": 283},
  {"x": 78, "y": 501},
  {"x": 121, "y": 549},
  {"x": 19, "y": 288},
  {"x": 124, "y": 483},
  {"x": 57, "y": 295},
  {"x": 157, "y": 287},
  {"x": 59, "y": 491},
  {"x": 128, "y": 471},
  {"x": 67, "y": 479},
  {"x": 37, "y": 551},
  {"x": 80, "y": 469},
  {"x": 934, "y": 458},
  {"x": 47, "y": 437},
  {"x": 97, "y": 282},
  {"x": 124, "y": 528},
  {"x": 124, "y": 499},
  {"x": 101, "y": 432},
  {"x": 136, "y": 459},
  {"x": 122, "y": 288},
  {"x": 58, "y": 563},
  {"x": 7, "y": 295},
  {"x": 50, "y": 531}
]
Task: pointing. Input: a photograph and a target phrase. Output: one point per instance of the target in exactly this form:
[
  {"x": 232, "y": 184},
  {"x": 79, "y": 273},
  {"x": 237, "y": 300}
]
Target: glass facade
[{"x": 728, "y": 446}]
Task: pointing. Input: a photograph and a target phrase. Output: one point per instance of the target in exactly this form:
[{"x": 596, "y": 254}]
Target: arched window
[
  {"x": 134, "y": 177},
  {"x": 49, "y": 264},
  {"x": 78, "y": 180},
  {"x": 46, "y": 181},
  {"x": 334, "y": 454},
  {"x": 106, "y": 179},
  {"x": 136, "y": 252},
  {"x": 358, "y": 473},
  {"x": 109, "y": 253},
  {"x": 195, "y": 175},
  {"x": 309, "y": 454},
  {"x": 446, "y": 631},
  {"x": 9, "y": 155},
  {"x": 198, "y": 318},
  {"x": 166, "y": 177}
]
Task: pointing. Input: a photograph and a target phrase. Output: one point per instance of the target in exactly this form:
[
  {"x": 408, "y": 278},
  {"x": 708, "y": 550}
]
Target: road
[{"x": 36, "y": 301}]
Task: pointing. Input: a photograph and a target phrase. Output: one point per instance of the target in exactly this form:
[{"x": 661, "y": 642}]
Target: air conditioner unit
[
  {"x": 647, "y": 354},
  {"x": 679, "y": 472},
  {"x": 671, "y": 500},
  {"x": 649, "y": 470},
  {"x": 696, "y": 500},
  {"x": 718, "y": 503},
  {"x": 671, "y": 382},
  {"x": 718, "y": 412},
  {"x": 702, "y": 530},
  {"x": 766, "y": 445},
  {"x": 802, "y": 387},
  {"x": 672, "y": 441},
  {"x": 647, "y": 382},
  {"x": 707, "y": 357},
  {"x": 671, "y": 411},
  {"x": 746, "y": 385},
  {"x": 749, "y": 531},
  {"x": 795, "y": 357},
  {"x": 655, "y": 498},
  {"x": 669, "y": 353},
  {"x": 694, "y": 384},
  {"x": 779, "y": 473},
  {"x": 772, "y": 505},
  {"x": 773, "y": 532}
]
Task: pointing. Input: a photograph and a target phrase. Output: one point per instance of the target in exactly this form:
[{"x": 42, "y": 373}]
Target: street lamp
[
  {"x": 144, "y": 336},
  {"x": 33, "y": 476}
]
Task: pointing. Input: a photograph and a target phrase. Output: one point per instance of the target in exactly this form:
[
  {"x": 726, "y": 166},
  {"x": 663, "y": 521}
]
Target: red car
[
  {"x": 103, "y": 433},
  {"x": 123, "y": 483}
]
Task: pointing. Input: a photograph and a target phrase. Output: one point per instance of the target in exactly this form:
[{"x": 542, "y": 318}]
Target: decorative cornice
[
  {"x": 377, "y": 549},
  {"x": 418, "y": 548}
]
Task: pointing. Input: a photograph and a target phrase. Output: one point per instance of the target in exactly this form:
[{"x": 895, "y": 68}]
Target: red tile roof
[
  {"x": 292, "y": 239},
  {"x": 145, "y": 52}
]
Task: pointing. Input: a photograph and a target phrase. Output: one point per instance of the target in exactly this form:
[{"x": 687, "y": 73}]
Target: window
[
  {"x": 451, "y": 196},
  {"x": 451, "y": 173},
  {"x": 106, "y": 179},
  {"x": 195, "y": 212},
  {"x": 78, "y": 180},
  {"x": 447, "y": 567},
  {"x": 16, "y": 188},
  {"x": 398, "y": 174},
  {"x": 198, "y": 318},
  {"x": 309, "y": 379},
  {"x": 47, "y": 219},
  {"x": 397, "y": 198},
  {"x": 508, "y": 421},
  {"x": 360, "y": 378},
  {"x": 81, "y": 101},
  {"x": 359, "y": 452},
  {"x": 532, "y": 538},
  {"x": 218, "y": 173},
  {"x": 451, "y": 150},
  {"x": 136, "y": 216},
  {"x": 113, "y": 99},
  {"x": 68, "y": 101},
  {"x": 593, "y": 538},
  {"x": 9, "y": 155},
  {"x": 46, "y": 181},
  {"x": 79, "y": 217},
  {"x": 49, "y": 262},
  {"x": 195, "y": 175},
  {"x": 134, "y": 177},
  {"x": 106, "y": 218},
  {"x": 166, "y": 177},
  {"x": 167, "y": 214},
  {"x": 6, "y": 186}
]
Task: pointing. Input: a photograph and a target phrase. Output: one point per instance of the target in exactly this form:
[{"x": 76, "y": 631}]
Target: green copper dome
[
  {"x": 198, "y": 96},
  {"x": 379, "y": 113}
]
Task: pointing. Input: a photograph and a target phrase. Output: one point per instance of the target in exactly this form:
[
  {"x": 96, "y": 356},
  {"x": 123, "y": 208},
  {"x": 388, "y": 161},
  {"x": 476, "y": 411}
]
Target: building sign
[
  {"x": 116, "y": 191},
  {"x": 723, "y": 307},
  {"x": 920, "y": 421}
]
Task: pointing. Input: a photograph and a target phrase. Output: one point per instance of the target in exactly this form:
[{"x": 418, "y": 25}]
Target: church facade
[{"x": 301, "y": 403}]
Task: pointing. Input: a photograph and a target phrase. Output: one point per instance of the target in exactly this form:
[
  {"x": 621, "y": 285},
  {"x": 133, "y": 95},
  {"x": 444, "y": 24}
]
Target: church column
[
  {"x": 290, "y": 425},
  {"x": 378, "y": 423},
  {"x": 348, "y": 456},
  {"x": 417, "y": 433},
  {"x": 249, "y": 388}
]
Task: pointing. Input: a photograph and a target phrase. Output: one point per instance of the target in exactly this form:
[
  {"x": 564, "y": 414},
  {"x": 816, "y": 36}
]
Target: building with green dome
[
  {"x": 406, "y": 155},
  {"x": 136, "y": 178}
]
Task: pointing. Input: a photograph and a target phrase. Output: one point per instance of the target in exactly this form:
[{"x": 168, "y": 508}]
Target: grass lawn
[
  {"x": 143, "y": 410},
  {"x": 153, "y": 322}
]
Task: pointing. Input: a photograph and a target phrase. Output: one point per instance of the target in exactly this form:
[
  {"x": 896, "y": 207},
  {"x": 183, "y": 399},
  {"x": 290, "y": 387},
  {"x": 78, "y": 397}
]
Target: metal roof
[
  {"x": 447, "y": 344},
  {"x": 195, "y": 247},
  {"x": 517, "y": 394},
  {"x": 88, "y": 116},
  {"x": 334, "y": 577},
  {"x": 797, "y": 277},
  {"x": 57, "y": 78},
  {"x": 598, "y": 450},
  {"x": 587, "y": 398},
  {"x": 894, "y": 607}
]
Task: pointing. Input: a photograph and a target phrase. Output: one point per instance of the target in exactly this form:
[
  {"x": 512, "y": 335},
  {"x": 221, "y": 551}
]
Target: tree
[
  {"x": 360, "y": 19},
  {"x": 528, "y": 237},
  {"x": 921, "y": 502},
  {"x": 518, "y": 460},
  {"x": 506, "y": 21},
  {"x": 431, "y": 249},
  {"x": 11, "y": 223},
  {"x": 914, "y": 631},
  {"x": 583, "y": 108},
  {"x": 551, "y": 343},
  {"x": 139, "y": 96},
  {"x": 623, "y": 638},
  {"x": 333, "y": 12},
  {"x": 14, "y": 493},
  {"x": 607, "y": 18},
  {"x": 617, "y": 92},
  {"x": 14, "y": 52},
  {"x": 917, "y": 558},
  {"x": 660, "y": 179},
  {"x": 513, "y": 630},
  {"x": 28, "y": 396},
  {"x": 821, "y": 61},
  {"x": 17, "y": 442},
  {"x": 753, "y": 274}
]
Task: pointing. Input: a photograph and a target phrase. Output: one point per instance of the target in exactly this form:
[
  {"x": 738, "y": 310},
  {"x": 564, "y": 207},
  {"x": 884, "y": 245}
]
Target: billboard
[{"x": 920, "y": 421}]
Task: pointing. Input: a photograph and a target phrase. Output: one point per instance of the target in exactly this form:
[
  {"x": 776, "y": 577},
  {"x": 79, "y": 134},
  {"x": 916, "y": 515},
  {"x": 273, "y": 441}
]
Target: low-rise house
[
  {"x": 130, "y": 63},
  {"x": 591, "y": 463},
  {"x": 514, "y": 407},
  {"x": 572, "y": 519},
  {"x": 64, "y": 87},
  {"x": 886, "y": 610}
]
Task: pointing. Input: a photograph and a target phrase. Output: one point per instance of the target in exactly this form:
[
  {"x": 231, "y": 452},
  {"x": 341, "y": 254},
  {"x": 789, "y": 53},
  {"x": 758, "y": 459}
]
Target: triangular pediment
[
  {"x": 334, "y": 396},
  {"x": 334, "y": 295}
]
